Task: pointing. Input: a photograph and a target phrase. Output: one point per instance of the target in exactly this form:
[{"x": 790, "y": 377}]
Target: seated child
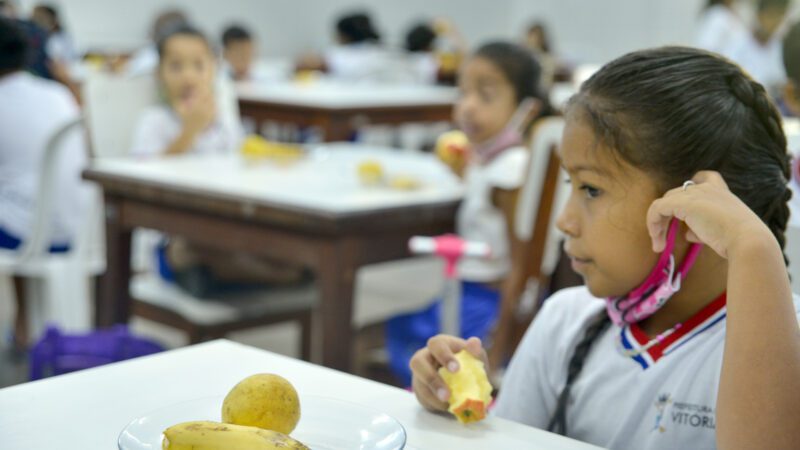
[
  {"x": 31, "y": 111},
  {"x": 188, "y": 122},
  {"x": 686, "y": 334},
  {"x": 499, "y": 99},
  {"x": 238, "y": 51}
]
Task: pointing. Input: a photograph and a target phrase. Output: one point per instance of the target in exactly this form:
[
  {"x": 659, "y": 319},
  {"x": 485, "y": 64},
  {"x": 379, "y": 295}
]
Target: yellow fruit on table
[
  {"x": 256, "y": 147},
  {"x": 204, "y": 435},
  {"x": 264, "y": 400},
  {"x": 370, "y": 172},
  {"x": 452, "y": 147},
  {"x": 470, "y": 390},
  {"x": 404, "y": 183}
]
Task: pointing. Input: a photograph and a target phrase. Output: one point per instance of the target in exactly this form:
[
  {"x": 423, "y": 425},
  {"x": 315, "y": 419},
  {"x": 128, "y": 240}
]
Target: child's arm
[
  {"x": 196, "y": 115},
  {"x": 758, "y": 404}
]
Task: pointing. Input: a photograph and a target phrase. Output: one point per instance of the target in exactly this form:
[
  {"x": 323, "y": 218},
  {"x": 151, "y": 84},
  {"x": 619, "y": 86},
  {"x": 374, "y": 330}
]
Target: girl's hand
[
  {"x": 430, "y": 389},
  {"x": 197, "y": 112},
  {"x": 714, "y": 215}
]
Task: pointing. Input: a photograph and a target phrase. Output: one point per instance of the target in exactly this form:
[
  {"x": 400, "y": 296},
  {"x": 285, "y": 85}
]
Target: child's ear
[{"x": 791, "y": 97}]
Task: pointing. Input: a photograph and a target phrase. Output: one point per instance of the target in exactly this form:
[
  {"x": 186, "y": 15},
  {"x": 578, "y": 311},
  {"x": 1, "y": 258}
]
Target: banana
[{"x": 204, "y": 435}]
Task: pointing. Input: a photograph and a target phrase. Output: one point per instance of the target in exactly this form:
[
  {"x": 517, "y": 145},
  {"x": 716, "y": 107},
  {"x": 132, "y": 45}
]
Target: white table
[
  {"x": 87, "y": 410},
  {"x": 338, "y": 108},
  {"x": 313, "y": 213}
]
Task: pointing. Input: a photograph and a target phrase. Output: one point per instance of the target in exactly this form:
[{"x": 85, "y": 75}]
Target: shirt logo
[
  {"x": 682, "y": 414},
  {"x": 661, "y": 406}
]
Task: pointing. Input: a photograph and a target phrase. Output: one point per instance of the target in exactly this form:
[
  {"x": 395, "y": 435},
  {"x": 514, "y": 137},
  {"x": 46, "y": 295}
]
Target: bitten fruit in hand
[
  {"x": 470, "y": 390},
  {"x": 452, "y": 148},
  {"x": 264, "y": 400}
]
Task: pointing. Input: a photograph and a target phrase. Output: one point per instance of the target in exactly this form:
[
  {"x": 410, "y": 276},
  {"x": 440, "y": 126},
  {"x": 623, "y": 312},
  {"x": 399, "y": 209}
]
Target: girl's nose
[{"x": 567, "y": 221}]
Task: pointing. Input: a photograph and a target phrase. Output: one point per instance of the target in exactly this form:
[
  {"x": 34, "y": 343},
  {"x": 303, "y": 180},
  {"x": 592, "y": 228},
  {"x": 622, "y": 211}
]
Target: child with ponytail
[{"x": 685, "y": 335}]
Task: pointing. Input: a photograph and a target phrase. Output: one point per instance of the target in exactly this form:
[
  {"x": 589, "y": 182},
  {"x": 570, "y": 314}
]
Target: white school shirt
[
  {"x": 663, "y": 399},
  {"x": 31, "y": 110},
  {"x": 361, "y": 62},
  {"x": 479, "y": 220},
  {"x": 764, "y": 62},
  {"x": 717, "y": 27},
  {"x": 60, "y": 47},
  {"x": 159, "y": 126}
]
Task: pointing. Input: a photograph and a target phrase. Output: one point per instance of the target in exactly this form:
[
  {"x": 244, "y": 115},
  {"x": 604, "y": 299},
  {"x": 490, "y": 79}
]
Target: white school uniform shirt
[
  {"x": 479, "y": 220},
  {"x": 717, "y": 27},
  {"x": 764, "y": 62},
  {"x": 159, "y": 126},
  {"x": 60, "y": 47},
  {"x": 143, "y": 62},
  {"x": 663, "y": 399},
  {"x": 31, "y": 110},
  {"x": 361, "y": 62}
]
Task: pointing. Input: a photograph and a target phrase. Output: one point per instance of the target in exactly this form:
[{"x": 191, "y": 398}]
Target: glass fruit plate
[{"x": 325, "y": 424}]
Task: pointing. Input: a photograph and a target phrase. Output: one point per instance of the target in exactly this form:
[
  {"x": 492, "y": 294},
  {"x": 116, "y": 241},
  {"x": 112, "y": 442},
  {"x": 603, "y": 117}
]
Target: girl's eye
[{"x": 591, "y": 191}]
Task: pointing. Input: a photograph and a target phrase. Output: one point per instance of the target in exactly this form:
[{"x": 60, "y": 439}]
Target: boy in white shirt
[{"x": 188, "y": 120}]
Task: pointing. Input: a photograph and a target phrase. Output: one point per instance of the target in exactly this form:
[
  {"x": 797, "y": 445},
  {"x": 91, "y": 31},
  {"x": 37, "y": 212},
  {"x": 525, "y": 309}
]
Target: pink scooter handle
[{"x": 449, "y": 247}]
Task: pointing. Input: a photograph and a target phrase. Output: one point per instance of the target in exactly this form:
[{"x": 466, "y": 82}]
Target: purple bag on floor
[{"x": 58, "y": 353}]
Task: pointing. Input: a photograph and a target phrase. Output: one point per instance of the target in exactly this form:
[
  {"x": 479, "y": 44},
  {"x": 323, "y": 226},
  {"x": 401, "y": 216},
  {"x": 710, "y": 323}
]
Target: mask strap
[
  {"x": 494, "y": 146},
  {"x": 662, "y": 265}
]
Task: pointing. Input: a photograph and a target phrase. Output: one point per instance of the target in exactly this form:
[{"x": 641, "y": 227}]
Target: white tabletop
[
  {"x": 87, "y": 410},
  {"x": 324, "y": 181},
  {"x": 336, "y": 94}
]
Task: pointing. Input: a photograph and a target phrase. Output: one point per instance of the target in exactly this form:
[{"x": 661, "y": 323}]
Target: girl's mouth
[{"x": 578, "y": 264}]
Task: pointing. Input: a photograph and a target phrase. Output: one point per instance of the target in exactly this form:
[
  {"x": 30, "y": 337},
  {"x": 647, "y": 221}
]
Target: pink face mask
[
  {"x": 509, "y": 136},
  {"x": 662, "y": 283}
]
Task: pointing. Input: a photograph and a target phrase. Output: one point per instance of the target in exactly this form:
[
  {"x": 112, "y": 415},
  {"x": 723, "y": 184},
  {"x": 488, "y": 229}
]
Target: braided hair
[{"x": 672, "y": 112}]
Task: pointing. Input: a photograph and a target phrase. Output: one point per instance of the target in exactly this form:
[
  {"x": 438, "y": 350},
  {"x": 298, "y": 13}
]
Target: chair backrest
[
  {"x": 542, "y": 185},
  {"x": 115, "y": 102},
  {"x": 113, "y": 106},
  {"x": 535, "y": 237},
  {"x": 37, "y": 245}
]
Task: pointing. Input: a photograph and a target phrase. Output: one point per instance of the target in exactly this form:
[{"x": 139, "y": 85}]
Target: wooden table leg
[
  {"x": 113, "y": 303},
  {"x": 336, "y": 128},
  {"x": 333, "y": 317}
]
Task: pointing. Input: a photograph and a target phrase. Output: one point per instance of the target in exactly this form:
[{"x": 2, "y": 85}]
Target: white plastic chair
[
  {"x": 57, "y": 287},
  {"x": 113, "y": 105},
  {"x": 537, "y": 237}
]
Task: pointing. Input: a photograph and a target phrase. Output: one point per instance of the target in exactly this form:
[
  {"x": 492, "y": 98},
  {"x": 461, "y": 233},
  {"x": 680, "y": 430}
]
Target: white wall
[
  {"x": 582, "y": 30},
  {"x": 597, "y": 31},
  {"x": 284, "y": 27}
]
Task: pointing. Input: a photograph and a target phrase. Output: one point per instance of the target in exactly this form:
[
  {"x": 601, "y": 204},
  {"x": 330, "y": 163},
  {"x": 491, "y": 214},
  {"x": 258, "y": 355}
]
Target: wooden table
[
  {"x": 338, "y": 108},
  {"x": 87, "y": 410},
  {"x": 314, "y": 213}
]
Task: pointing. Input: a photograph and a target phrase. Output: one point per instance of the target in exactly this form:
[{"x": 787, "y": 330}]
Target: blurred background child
[{"x": 499, "y": 85}]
